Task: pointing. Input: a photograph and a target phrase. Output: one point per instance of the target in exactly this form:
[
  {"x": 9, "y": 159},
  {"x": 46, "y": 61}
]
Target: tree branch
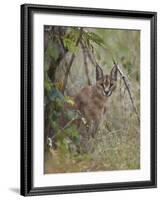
[
  {"x": 71, "y": 62},
  {"x": 84, "y": 50}
]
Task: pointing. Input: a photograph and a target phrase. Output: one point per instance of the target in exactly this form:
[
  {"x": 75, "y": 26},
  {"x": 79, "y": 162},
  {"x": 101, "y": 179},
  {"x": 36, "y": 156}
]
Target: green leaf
[
  {"x": 71, "y": 114},
  {"x": 95, "y": 38},
  {"x": 54, "y": 125},
  {"x": 55, "y": 115},
  {"x": 72, "y": 131},
  {"x": 56, "y": 94},
  {"x": 63, "y": 145},
  {"x": 69, "y": 100},
  {"x": 70, "y": 45},
  {"x": 47, "y": 85}
]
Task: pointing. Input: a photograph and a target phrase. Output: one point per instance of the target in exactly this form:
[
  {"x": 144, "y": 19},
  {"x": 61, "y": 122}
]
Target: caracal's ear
[
  {"x": 99, "y": 73},
  {"x": 113, "y": 73}
]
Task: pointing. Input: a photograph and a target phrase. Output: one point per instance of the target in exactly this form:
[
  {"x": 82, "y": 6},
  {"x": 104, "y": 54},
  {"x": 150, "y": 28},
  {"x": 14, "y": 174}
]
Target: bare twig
[
  {"x": 84, "y": 49},
  {"x": 69, "y": 123},
  {"x": 125, "y": 80},
  {"x": 71, "y": 62}
]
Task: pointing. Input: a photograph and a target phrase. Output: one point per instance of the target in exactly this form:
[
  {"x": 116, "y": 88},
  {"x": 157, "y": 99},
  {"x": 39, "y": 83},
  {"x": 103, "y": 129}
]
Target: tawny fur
[{"x": 91, "y": 103}]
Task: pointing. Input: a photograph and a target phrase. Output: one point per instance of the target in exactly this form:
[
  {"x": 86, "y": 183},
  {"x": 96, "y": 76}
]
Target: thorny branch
[{"x": 125, "y": 80}]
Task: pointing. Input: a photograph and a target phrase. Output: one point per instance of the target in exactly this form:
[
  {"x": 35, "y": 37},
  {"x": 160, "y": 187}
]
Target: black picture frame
[{"x": 27, "y": 188}]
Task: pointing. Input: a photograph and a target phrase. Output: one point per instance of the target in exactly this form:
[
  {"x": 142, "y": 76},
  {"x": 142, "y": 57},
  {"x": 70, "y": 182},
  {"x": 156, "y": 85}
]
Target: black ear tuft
[
  {"x": 113, "y": 73},
  {"x": 99, "y": 73}
]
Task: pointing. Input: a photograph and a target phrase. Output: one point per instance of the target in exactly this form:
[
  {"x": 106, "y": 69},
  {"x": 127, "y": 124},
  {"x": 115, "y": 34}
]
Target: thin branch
[
  {"x": 69, "y": 123},
  {"x": 84, "y": 50},
  {"x": 91, "y": 58},
  {"x": 128, "y": 89},
  {"x": 71, "y": 62}
]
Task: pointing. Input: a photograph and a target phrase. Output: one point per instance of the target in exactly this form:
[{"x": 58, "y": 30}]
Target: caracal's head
[{"x": 106, "y": 83}]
